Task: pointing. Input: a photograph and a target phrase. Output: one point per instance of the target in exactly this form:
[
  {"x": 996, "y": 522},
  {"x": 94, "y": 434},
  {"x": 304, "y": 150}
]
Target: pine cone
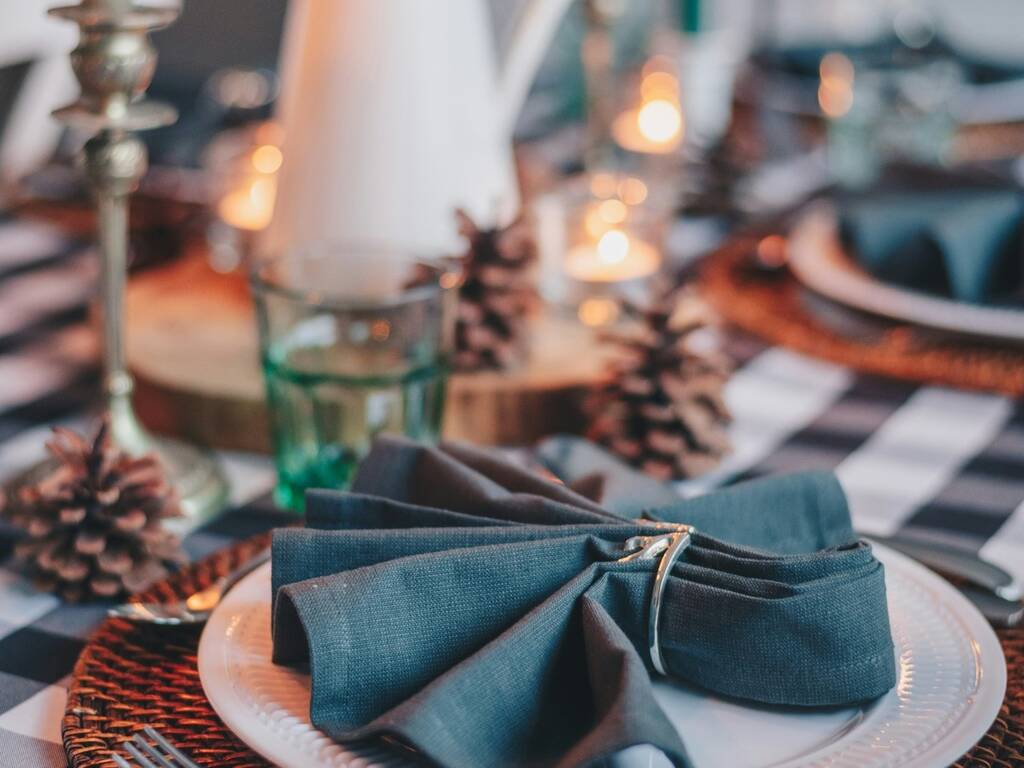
[
  {"x": 94, "y": 525},
  {"x": 662, "y": 409},
  {"x": 495, "y": 295}
]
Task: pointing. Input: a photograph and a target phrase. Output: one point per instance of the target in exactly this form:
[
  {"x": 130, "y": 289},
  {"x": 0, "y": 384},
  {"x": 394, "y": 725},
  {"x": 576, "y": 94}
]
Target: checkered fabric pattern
[{"x": 927, "y": 462}]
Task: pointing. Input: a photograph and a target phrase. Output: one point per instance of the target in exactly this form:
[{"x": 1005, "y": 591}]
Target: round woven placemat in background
[
  {"x": 130, "y": 676},
  {"x": 775, "y": 307}
]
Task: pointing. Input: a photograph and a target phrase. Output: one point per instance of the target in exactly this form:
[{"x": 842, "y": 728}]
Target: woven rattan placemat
[
  {"x": 774, "y": 306},
  {"x": 129, "y": 676}
]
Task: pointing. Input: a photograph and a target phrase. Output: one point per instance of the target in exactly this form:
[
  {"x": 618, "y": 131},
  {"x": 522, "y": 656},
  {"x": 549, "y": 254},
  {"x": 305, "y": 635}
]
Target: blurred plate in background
[{"x": 819, "y": 261}]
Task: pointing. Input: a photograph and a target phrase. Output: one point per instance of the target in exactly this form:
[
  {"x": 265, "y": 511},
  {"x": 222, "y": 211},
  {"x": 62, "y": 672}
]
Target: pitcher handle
[{"x": 533, "y": 34}]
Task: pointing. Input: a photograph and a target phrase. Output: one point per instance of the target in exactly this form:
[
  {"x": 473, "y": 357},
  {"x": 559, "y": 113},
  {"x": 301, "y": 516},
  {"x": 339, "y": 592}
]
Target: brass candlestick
[{"x": 114, "y": 63}]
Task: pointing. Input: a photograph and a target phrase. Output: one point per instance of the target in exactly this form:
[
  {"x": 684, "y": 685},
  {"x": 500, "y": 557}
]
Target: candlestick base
[
  {"x": 197, "y": 477},
  {"x": 194, "y": 473}
]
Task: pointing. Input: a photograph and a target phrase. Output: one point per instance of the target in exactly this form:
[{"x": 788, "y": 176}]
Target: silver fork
[
  {"x": 160, "y": 754},
  {"x": 194, "y": 609}
]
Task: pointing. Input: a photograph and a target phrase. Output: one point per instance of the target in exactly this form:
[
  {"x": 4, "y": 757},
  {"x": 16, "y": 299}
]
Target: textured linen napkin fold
[
  {"x": 482, "y": 614},
  {"x": 966, "y": 244}
]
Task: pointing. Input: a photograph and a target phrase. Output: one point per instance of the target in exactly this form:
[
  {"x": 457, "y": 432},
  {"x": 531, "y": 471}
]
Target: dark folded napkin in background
[
  {"x": 804, "y": 60},
  {"x": 480, "y": 613},
  {"x": 962, "y": 243}
]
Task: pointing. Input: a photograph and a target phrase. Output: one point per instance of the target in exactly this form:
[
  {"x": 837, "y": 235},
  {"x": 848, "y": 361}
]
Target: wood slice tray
[{"x": 191, "y": 343}]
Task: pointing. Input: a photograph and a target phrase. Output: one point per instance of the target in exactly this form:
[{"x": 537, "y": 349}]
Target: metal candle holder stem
[{"x": 114, "y": 64}]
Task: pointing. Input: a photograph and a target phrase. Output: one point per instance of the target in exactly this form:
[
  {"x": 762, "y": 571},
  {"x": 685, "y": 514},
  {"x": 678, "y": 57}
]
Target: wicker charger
[
  {"x": 774, "y": 306},
  {"x": 130, "y": 676}
]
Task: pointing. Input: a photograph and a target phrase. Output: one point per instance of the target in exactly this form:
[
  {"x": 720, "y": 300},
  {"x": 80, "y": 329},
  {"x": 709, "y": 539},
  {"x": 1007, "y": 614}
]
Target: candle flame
[
  {"x": 251, "y": 207},
  {"x": 602, "y": 185},
  {"x": 659, "y": 120},
  {"x": 659, "y": 85},
  {"x": 602, "y": 216},
  {"x": 261, "y": 193},
  {"x": 267, "y": 159},
  {"x": 632, "y": 191},
  {"x": 613, "y": 211},
  {"x": 835, "y": 93},
  {"x": 657, "y": 64},
  {"x": 613, "y": 246}
]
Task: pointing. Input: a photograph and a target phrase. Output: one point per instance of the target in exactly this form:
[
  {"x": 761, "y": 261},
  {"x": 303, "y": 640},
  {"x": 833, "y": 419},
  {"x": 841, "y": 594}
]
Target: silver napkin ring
[{"x": 666, "y": 548}]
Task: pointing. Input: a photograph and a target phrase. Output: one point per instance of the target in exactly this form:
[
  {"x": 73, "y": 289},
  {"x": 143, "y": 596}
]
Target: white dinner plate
[
  {"x": 820, "y": 262},
  {"x": 952, "y": 677}
]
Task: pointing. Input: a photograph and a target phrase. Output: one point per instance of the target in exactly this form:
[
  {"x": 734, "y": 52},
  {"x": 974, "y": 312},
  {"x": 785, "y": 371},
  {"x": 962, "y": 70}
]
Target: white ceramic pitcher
[{"x": 395, "y": 113}]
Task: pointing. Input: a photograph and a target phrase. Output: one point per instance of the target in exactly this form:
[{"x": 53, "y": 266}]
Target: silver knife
[
  {"x": 997, "y": 611},
  {"x": 994, "y": 591}
]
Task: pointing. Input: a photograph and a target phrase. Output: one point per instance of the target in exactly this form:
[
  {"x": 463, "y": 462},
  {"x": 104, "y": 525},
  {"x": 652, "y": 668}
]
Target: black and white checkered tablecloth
[{"x": 928, "y": 462}]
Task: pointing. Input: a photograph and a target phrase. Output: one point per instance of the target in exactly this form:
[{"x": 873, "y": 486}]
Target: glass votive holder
[
  {"x": 883, "y": 111},
  {"x": 599, "y": 239},
  {"x": 649, "y": 128},
  {"x": 241, "y": 168},
  {"x": 651, "y": 122}
]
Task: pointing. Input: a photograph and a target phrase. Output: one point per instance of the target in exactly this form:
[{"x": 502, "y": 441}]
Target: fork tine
[
  {"x": 138, "y": 757},
  {"x": 173, "y": 751},
  {"x": 121, "y": 762},
  {"x": 152, "y": 752}
]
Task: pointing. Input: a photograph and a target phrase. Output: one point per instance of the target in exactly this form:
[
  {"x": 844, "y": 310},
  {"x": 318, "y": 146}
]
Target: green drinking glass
[{"x": 353, "y": 343}]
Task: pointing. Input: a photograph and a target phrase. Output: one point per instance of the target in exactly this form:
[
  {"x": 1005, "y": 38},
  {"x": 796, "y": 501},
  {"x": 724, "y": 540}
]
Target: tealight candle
[
  {"x": 654, "y": 129},
  {"x": 615, "y": 257},
  {"x": 656, "y": 125},
  {"x": 250, "y": 207},
  {"x": 251, "y": 204},
  {"x": 598, "y": 240}
]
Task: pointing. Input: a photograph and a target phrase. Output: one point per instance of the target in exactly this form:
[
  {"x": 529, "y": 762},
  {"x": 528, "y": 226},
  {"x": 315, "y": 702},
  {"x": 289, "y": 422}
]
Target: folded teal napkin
[
  {"x": 964, "y": 243},
  {"x": 481, "y": 614}
]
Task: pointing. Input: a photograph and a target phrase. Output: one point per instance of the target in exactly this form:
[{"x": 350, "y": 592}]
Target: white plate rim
[
  {"x": 947, "y": 748},
  {"x": 989, "y": 698},
  {"x": 819, "y": 261}
]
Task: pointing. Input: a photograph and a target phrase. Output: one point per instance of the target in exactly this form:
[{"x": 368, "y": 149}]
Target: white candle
[{"x": 615, "y": 257}]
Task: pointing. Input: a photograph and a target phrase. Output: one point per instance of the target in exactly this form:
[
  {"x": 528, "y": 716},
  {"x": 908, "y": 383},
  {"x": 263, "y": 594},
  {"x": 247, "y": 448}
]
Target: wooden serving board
[{"x": 192, "y": 345}]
